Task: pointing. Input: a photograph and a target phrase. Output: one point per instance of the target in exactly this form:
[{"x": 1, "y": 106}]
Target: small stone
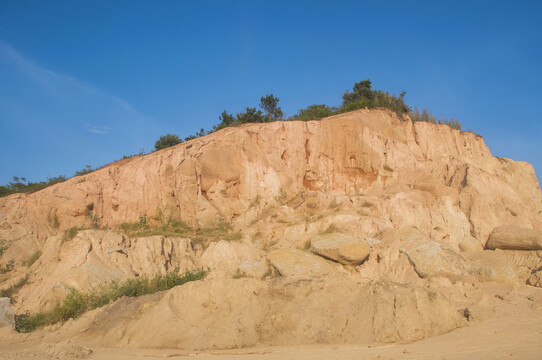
[{"x": 7, "y": 315}]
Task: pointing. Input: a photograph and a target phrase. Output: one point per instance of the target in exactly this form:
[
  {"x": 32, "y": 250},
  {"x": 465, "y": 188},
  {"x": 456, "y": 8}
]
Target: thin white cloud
[
  {"x": 59, "y": 84},
  {"x": 99, "y": 130}
]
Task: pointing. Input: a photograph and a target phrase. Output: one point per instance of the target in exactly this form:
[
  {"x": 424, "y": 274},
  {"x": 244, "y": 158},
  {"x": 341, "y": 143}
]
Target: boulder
[
  {"x": 227, "y": 259},
  {"x": 345, "y": 249},
  {"x": 292, "y": 262},
  {"x": 510, "y": 237},
  {"x": 429, "y": 257},
  {"x": 6, "y": 313}
]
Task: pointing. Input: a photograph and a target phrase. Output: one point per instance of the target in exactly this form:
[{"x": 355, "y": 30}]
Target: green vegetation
[
  {"x": 70, "y": 234},
  {"x": 13, "y": 289},
  {"x": 170, "y": 227},
  {"x": 363, "y": 96},
  {"x": 3, "y": 247},
  {"x": 86, "y": 170},
  {"x": 426, "y": 116},
  {"x": 77, "y": 303},
  {"x": 166, "y": 141},
  {"x": 21, "y": 185},
  {"x": 269, "y": 104},
  {"x": 33, "y": 258},
  {"x": 314, "y": 112},
  {"x": 94, "y": 220}
]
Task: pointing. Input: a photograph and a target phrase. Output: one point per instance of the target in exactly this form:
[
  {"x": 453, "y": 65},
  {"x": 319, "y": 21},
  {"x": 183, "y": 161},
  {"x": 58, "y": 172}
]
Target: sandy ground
[
  {"x": 498, "y": 338},
  {"x": 515, "y": 332}
]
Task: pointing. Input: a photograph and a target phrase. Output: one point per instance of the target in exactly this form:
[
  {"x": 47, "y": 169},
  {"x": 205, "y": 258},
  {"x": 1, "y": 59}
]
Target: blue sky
[{"x": 88, "y": 82}]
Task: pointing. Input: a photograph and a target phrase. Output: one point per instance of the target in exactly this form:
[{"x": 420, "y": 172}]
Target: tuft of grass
[
  {"x": 426, "y": 116},
  {"x": 367, "y": 204},
  {"x": 307, "y": 245},
  {"x": 52, "y": 220},
  {"x": 255, "y": 202},
  {"x": 33, "y": 258},
  {"x": 281, "y": 196},
  {"x": 13, "y": 289},
  {"x": 70, "y": 234},
  {"x": 334, "y": 205},
  {"x": 94, "y": 220},
  {"x": 77, "y": 303},
  {"x": 239, "y": 274},
  {"x": 331, "y": 229},
  {"x": 3, "y": 247}
]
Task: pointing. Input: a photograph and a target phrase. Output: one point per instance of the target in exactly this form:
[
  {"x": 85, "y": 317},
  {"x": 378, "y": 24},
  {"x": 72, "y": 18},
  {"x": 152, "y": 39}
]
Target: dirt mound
[{"x": 223, "y": 314}]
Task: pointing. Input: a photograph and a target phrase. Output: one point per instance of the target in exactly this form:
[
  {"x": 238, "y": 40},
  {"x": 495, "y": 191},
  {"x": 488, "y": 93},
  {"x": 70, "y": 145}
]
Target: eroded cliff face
[
  {"x": 442, "y": 181},
  {"x": 335, "y": 211}
]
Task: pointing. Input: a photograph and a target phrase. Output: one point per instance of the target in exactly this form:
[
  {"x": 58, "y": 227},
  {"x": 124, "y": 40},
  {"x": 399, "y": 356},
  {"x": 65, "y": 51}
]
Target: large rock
[
  {"x": 292, "y": 262},
  {"x": 345, "y": 249},
  {"x": 6, "y": 313},
  {"x": 228, "y": 259},
  {"x": 509, "y": 237},
  {"x": 429, "y": 257}
]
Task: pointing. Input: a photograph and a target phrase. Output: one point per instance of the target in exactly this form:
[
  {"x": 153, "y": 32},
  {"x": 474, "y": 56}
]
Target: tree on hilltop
[
  {"x": 166, "y": 141},
  {"x": 270, "y": 104}
]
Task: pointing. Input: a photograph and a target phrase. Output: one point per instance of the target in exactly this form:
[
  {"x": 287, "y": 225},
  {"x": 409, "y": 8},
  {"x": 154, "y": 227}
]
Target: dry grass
[
  {"x": 33, "y": 258},
  {"x": 330, "y": 229}
]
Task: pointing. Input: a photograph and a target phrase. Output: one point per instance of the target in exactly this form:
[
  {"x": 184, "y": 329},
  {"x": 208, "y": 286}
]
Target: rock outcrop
[
  {"x": 345, "y": 249},
  {"x": 514, "y": 238},
  {"x": 428, "y": 257},
  {"x": 6, "y": 313},
  {"x": 292, "y": 262}
]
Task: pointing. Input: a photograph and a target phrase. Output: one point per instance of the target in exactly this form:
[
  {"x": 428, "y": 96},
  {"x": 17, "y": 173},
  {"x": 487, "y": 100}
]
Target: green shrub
[
  {"x": 77, "y": 303},
  {"x": 166, "y": 141},
  {"x": 363, "y": 96},
  {"x": 86, "y": 170},
  {"x": 21, "y": 185},
  {"x": 313, "y": 112}
]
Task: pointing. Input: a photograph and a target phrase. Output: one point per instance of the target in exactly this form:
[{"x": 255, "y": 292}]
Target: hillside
[{"x": 358, "y": 228}]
